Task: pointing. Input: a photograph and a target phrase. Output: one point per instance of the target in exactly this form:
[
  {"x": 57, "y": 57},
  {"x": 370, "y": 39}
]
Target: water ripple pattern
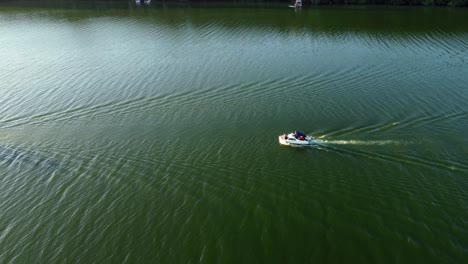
[{"x": 143, "y": 133}]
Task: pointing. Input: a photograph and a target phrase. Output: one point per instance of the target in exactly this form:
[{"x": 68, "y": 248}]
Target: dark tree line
[
  {"x": 455, "y": 3},
  {"x": 391, "y": 2},
  {"x": 459, "y": 3}
]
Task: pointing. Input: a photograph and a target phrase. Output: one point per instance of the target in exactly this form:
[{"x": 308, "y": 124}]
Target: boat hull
[{"x": 291, "y": 141}]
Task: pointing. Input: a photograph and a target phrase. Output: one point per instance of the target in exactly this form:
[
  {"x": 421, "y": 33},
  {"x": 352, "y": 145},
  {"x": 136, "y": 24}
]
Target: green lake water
[{"x": 149, "y": 134}]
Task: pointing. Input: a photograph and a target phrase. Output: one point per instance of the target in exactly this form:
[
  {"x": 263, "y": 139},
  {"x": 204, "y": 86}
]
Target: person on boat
[{"x": 299, "y": 135}]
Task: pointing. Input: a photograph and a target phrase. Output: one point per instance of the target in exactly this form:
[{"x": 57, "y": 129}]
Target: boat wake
[{"x": 362, "y": 142}]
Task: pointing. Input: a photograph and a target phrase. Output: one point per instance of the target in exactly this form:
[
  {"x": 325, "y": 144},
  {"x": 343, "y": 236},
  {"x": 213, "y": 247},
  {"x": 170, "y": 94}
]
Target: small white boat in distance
[
  {"x": 297, "y": 4},
  {"x": 296, "y": 139},
  {"x": 147, "y": 2}
]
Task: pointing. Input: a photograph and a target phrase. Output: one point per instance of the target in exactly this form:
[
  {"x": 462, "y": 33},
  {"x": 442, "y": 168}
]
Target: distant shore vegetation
[
  {"x": 391, "y": 2},
  {"x": 335, "y": 2},
  {"x": 451, "y": 3}
]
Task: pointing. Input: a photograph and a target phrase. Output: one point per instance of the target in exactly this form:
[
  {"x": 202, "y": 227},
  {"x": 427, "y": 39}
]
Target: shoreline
[{"x": 260, "y": 4}]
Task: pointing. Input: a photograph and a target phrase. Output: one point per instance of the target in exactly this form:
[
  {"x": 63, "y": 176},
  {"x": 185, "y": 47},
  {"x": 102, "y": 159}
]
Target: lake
[{"x": 149, "y": 134}]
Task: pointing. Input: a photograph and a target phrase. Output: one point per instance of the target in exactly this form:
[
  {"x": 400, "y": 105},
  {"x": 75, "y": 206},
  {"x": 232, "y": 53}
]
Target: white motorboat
[
  {"x": 147, "y": 2},
  {"x": 297, "y": 4},
  {"x": 296, "y": 139}
]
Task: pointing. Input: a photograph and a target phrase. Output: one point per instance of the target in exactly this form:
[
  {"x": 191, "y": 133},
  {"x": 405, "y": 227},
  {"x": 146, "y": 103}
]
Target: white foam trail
[{"x": 362, "y": 142}]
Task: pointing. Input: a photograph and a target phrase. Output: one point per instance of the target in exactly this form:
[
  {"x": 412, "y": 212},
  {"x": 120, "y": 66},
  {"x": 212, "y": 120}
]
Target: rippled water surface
[{"x": 149, "y": 134}]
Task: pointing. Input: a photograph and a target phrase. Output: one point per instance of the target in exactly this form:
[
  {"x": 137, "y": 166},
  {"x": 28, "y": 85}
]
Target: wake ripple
[{"x": 431, "y": 163}]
